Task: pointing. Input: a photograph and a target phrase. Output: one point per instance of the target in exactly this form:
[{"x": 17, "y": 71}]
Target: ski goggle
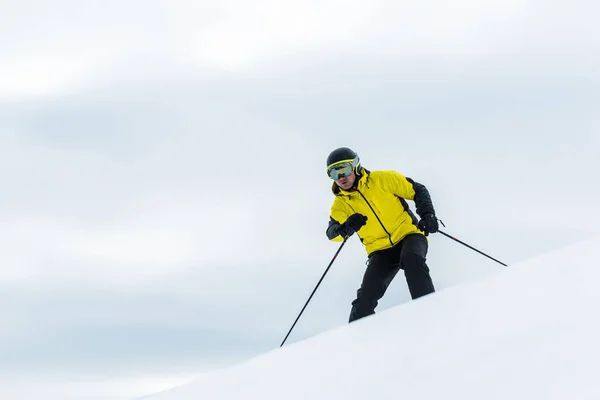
[{"x": 341, "y": 169}]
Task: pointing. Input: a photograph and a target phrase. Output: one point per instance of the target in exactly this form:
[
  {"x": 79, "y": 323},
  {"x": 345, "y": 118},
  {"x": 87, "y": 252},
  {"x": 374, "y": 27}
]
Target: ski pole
[
  {"x": 472, "y": 248},
  {"x": 315, "y": 289}
]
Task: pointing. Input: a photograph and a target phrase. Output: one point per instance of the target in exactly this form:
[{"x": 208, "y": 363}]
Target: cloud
[
  {"x": 148, "y": 181},
  {"x": 142, "y": 199},
  {"x": 71, "y": 46}
]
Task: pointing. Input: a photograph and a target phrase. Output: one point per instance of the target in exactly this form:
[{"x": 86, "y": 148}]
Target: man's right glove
[
  {"x": 428, "y": 224},
  {"x": 352, "y": 224}
]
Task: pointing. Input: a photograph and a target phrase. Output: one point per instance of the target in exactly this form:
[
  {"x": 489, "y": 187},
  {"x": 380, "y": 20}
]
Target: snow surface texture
[{"x": 509, "y": 336}]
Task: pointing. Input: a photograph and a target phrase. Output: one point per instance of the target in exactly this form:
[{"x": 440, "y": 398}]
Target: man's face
[{"x": 346, "y": 182}]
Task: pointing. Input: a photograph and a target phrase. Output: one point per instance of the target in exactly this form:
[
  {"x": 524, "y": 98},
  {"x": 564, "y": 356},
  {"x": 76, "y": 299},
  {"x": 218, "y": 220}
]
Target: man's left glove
[{"x": 428, "y": 224}]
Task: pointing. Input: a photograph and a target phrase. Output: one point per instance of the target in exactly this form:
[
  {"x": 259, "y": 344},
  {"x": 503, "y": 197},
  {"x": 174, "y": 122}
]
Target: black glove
[
  {"x": 352, "y": 224},
  {"x": 428, "y": 224}
]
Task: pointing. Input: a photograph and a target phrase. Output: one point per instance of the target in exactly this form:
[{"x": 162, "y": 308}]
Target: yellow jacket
[{"x": 381, "y": 196}]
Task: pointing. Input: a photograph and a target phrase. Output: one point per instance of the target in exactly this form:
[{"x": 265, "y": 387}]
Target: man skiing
[{"x": 373, "y": 205}]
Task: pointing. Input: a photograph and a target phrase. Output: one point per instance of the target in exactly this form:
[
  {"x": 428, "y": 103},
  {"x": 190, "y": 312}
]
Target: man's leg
[
  {"x": 376, "y": 279},
  {"x": 412, "y": 261}
]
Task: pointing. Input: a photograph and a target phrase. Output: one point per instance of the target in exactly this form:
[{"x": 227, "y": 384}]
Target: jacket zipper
[{"x": 376, "y": 216}]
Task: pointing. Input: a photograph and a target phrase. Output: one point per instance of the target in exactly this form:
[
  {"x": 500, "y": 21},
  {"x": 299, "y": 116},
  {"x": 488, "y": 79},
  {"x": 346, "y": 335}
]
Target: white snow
[{"x": 529, "y": 331}]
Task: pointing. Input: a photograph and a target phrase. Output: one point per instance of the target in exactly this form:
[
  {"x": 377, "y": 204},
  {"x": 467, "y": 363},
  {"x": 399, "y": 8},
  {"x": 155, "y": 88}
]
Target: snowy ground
[{"x": 529, "y": 331}]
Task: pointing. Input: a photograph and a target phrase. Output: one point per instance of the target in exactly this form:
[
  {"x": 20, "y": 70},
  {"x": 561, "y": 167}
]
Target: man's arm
[
  {"x": 333, "y": 230},
  {"x": 338, "y": 215},
  {"x": 422, "y": 198}
]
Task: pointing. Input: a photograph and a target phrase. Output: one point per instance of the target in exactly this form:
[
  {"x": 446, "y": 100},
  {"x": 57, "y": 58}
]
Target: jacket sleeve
[
  {"x": 332, "y": 230},
  {"x": 407, "y": 188},
  {"x": 337, "y": 217}
]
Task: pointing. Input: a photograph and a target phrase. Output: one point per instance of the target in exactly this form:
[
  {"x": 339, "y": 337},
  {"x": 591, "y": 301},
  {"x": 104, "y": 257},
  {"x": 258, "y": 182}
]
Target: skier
[{"x": 373, "y": 205}]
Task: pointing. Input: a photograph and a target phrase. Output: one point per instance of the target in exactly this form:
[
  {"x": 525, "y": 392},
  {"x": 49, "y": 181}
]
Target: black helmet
[
  {"x": 341, "y": 154},
  {"x": 343, "y": 168}
]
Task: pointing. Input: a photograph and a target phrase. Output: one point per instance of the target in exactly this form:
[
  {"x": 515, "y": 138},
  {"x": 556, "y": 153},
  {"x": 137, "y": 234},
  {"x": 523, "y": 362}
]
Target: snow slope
[{"x": 530, "y": 331}]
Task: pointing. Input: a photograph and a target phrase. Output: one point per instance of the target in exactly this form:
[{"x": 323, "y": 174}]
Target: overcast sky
[{"x": 164, "y": 197}]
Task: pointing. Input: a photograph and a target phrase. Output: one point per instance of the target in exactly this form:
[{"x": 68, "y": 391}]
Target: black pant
[{"x": 383, "y": 265}]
